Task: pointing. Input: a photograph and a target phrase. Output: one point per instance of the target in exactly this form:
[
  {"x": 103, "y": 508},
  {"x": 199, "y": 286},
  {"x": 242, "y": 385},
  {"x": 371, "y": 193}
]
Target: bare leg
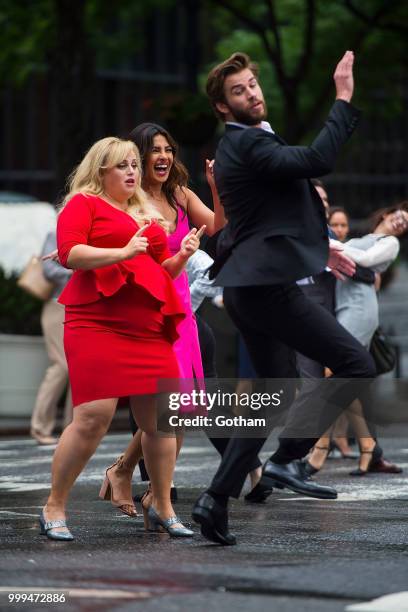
[
  {"x": 76, "y": 446},
  {"x": 340, "y": 434},
  {"x": 133, "y": 452},
  {"x": 320, "y": 451},
  {"x": 365, "y": 440},
  {"x": 159, "y": 452},
  {"x": 179, "y": 440},
  {"x": 121, "y": 472},
  {"x": 255, "y": 476}
]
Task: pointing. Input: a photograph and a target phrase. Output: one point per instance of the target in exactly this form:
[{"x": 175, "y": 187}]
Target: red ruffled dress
[{"x": 120, "y": 320}]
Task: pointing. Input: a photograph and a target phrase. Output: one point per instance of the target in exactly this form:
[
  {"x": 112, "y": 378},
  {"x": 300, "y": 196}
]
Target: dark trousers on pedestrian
[{"x": 275, "y": 322}]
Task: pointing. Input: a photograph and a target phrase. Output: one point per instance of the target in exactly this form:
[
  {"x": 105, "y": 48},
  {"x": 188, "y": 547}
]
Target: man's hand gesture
[
  {"x": 343, "y": 77},
  {"x": 339, "y": 263}
]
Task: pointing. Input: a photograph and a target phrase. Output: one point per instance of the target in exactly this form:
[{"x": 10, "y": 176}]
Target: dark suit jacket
[{"x": 276, "y": 231}]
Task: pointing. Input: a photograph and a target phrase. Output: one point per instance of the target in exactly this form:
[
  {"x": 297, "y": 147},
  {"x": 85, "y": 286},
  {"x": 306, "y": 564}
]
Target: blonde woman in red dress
[{"x": 122, "y": 311}]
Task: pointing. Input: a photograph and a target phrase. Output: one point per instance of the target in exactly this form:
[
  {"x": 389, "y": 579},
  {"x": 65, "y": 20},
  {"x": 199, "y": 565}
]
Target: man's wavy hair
[
  {"x": 216, "y": 78},
  {"x": 143, "y": 137}
]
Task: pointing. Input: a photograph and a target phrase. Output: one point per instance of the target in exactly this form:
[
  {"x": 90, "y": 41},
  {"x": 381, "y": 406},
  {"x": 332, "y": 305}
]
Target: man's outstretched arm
[{"x": 267, "y": 156}]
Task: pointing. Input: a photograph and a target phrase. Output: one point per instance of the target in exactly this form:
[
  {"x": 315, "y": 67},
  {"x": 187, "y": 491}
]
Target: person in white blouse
[
  {"x": 356, "y": 303},
  {"x": 357, "y": 311}
]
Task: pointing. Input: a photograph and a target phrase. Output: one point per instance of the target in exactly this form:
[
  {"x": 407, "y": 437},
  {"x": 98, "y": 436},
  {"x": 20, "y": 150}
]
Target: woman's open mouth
[{"x": 161, "y": 169}]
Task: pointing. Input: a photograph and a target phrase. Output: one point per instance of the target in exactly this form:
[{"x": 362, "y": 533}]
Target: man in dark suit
[{"x": 277, "y": 234}]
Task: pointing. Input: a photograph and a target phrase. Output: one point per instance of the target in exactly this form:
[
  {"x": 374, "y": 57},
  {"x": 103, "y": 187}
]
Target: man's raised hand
[
  {"x": 343, "y": 77},
  {"x": 339, "y": 263}
]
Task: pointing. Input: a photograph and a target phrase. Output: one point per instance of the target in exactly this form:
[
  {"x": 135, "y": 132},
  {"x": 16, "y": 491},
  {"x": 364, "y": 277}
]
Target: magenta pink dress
[{"x": 187, "y": 347}]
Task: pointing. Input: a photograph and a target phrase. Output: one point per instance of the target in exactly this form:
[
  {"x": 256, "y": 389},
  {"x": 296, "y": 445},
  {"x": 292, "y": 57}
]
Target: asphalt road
[{"x": 293, "y": 553}]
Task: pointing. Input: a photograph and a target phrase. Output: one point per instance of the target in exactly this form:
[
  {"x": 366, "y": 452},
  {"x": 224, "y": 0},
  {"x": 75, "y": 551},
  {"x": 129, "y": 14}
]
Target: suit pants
[
  {"x": 56, "y": 376},
  {"x": 323, "y": 292},
  {"x": 275, "y": 322}
]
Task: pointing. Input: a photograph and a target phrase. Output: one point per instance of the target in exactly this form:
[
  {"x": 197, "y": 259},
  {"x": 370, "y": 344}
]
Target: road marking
[
  {"x": 23, "y": 486},
  {"x": 395, "y": 602},
  {"x": 108, "y": 594}
]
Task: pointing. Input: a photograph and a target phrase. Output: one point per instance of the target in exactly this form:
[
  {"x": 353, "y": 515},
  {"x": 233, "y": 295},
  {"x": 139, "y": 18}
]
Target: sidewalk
[{"x": 293, "y": 554}]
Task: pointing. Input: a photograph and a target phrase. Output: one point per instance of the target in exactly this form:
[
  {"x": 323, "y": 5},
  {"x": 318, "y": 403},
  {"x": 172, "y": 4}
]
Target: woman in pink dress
[
  {"x": 187, "y": 347},
  {"x": 165, "y": 180}
]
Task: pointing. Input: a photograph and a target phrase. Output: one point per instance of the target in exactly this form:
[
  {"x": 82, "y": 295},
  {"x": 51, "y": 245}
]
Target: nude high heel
[
  {"x": 107, "y": 493},
  {"x": 146, "y": 501}
]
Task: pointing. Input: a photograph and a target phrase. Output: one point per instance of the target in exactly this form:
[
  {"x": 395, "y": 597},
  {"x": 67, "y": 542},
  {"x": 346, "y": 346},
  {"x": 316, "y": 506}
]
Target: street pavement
[{"x": 293, "y": 553}]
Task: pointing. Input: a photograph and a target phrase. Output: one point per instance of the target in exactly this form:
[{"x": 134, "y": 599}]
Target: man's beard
[{"x": 246, "y": 117}]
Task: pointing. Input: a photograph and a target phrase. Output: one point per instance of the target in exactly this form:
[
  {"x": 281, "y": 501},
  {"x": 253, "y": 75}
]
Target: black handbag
[{"x": 383, "y": 352}]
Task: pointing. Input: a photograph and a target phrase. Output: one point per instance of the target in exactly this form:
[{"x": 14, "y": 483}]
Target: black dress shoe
[
  {"x": 213, "y": 520},
  {"x": 376, "y": 464},
  {"x": 308, "y": 468},
  {"x": 295, "y": 477},
  {"x": 258, "y": 494}
]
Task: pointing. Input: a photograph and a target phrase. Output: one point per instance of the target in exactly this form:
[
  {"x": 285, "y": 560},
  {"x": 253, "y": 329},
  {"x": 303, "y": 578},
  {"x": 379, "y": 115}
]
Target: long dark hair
[
  {"x": 379, "y": 215},
  {"x": 143, "y": 136}
]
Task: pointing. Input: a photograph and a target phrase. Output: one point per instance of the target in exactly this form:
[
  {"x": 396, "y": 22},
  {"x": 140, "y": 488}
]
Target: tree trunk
[
  {"x": 72, "y": 83},
  {"x": 292, "y": 121}
]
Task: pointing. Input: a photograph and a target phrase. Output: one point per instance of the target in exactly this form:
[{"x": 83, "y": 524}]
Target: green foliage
[
  {"x": 114, "y": 30},
  {"x": 188, "y": 116},
  {"x": 19, "y": 312},
  {"x": 27, "y": 33}
]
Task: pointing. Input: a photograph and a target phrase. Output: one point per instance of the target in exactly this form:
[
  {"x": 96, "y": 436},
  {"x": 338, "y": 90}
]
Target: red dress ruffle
[
  {"x": 121, "y": 320},
  {"x": 88, "y": 286}
]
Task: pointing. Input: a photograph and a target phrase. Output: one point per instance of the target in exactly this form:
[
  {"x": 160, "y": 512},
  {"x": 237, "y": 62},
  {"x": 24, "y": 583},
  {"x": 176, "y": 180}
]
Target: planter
[{"x": 23, "y": 361}]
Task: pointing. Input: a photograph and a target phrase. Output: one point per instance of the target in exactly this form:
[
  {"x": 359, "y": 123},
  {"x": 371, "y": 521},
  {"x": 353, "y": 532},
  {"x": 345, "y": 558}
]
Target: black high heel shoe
[
  {"x": 310, "y": 469},
  {"x": 376, "y": 454},
  {"x": 259, "y": 494}
]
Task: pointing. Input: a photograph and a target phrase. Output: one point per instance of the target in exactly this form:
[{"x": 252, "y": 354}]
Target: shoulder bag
[{"x": 33, "y": 281}]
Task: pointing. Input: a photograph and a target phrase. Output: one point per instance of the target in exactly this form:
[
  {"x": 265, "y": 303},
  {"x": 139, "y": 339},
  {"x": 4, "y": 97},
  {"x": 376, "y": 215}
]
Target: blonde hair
[{"x": 87, "y": 178}]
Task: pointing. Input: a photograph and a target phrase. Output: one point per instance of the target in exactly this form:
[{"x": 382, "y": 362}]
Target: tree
[{"x": 68, "y": 41}]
